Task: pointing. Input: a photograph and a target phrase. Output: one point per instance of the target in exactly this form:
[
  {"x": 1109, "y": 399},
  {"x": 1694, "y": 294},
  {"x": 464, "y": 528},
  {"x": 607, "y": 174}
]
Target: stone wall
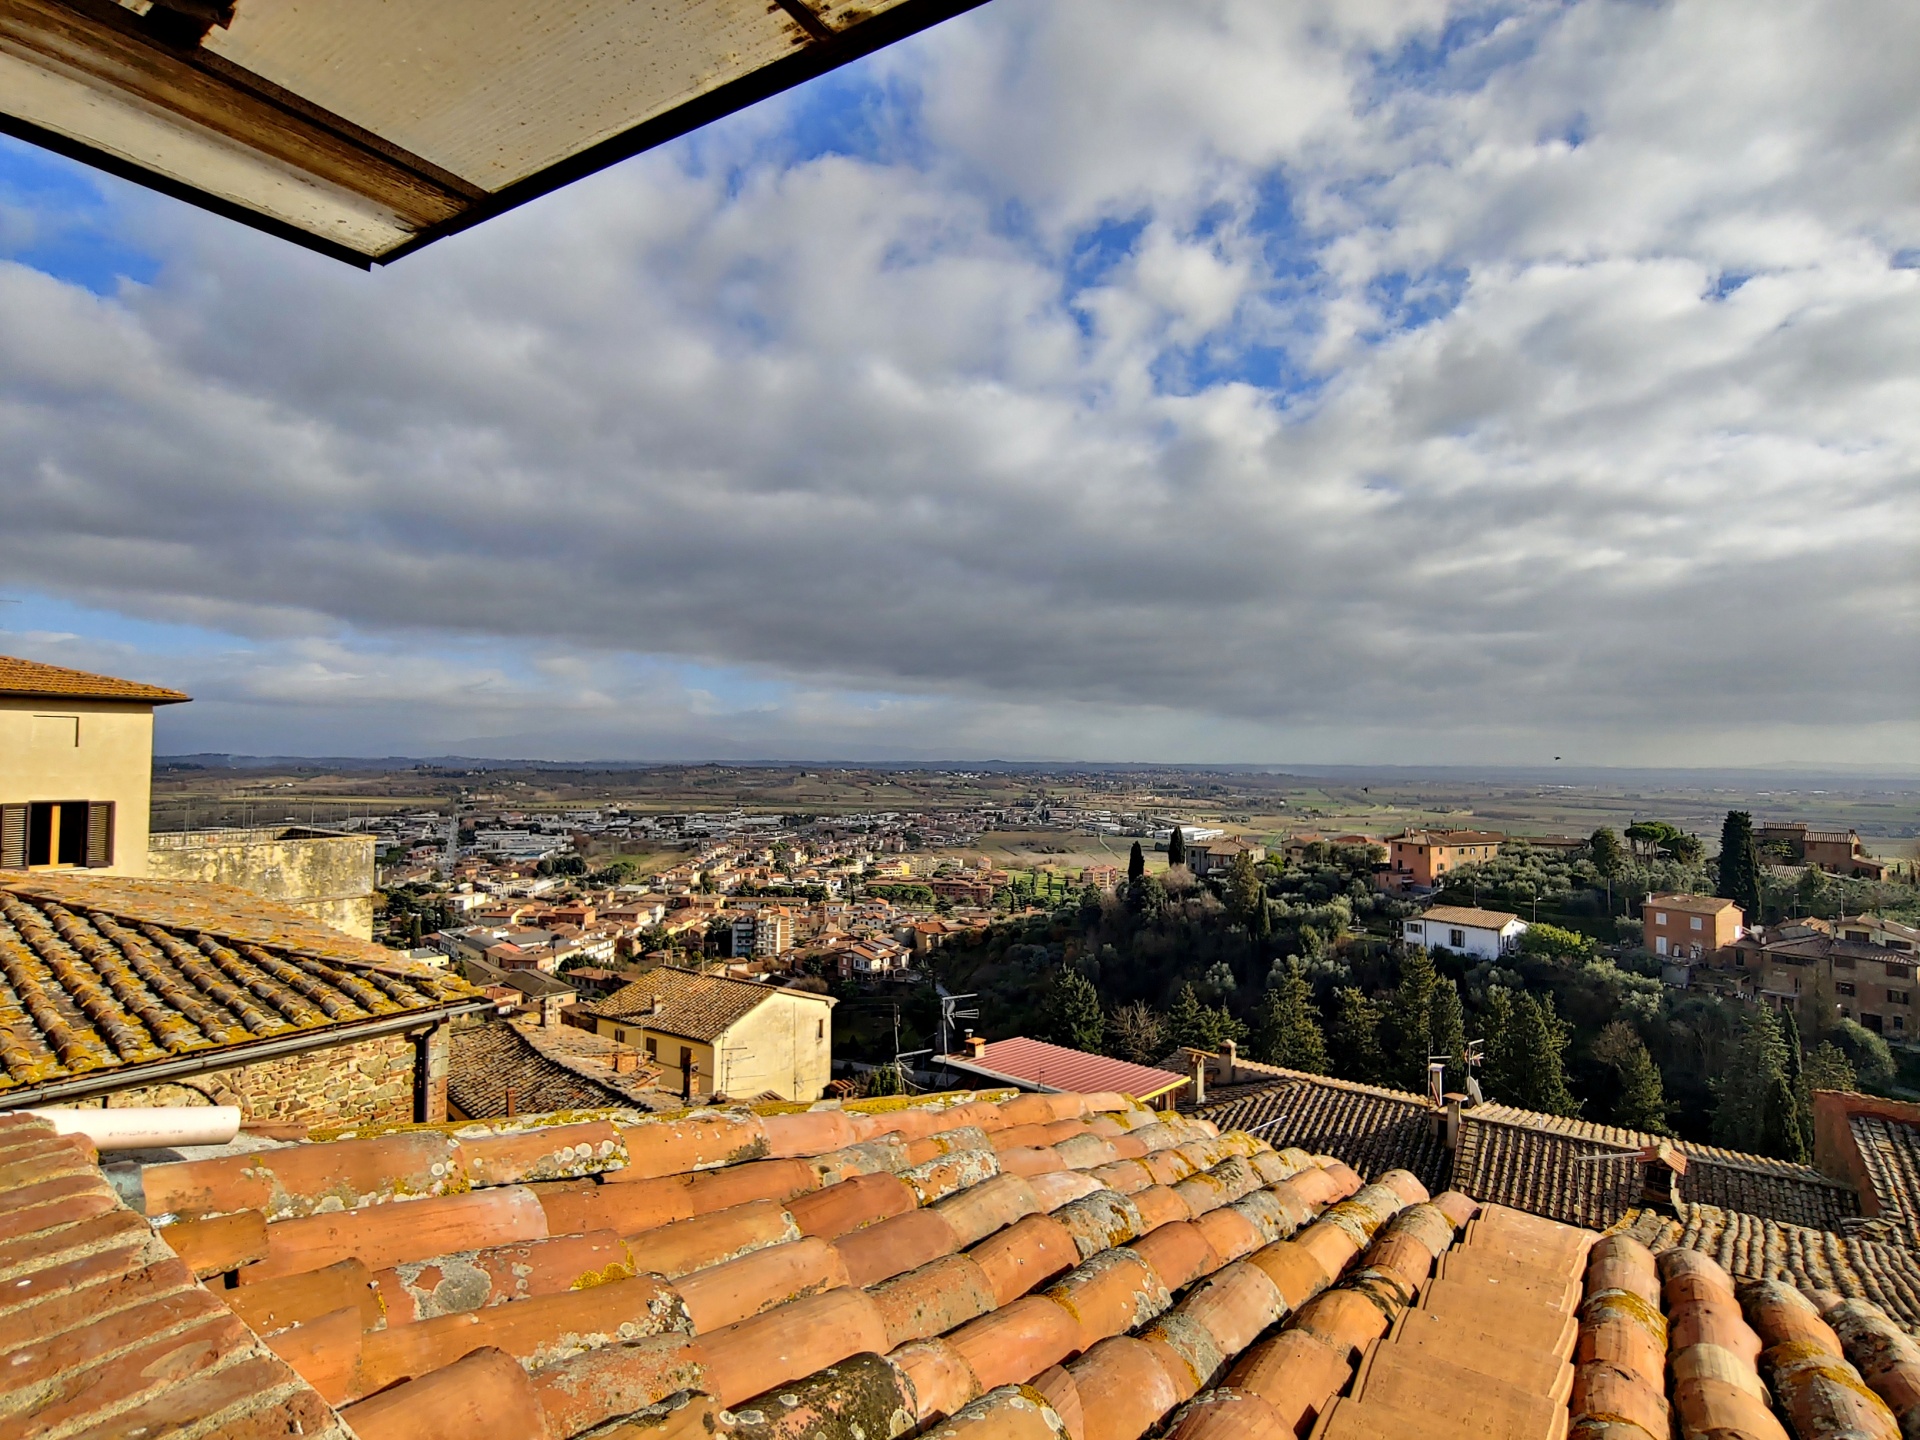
[
  {"x": 368, "y": 1083},
  {"x": 330, "y": 877}
]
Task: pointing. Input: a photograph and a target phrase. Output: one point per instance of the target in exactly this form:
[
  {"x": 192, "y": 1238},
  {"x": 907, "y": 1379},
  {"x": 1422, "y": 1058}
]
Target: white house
[{"x": 1483, "y": 934}]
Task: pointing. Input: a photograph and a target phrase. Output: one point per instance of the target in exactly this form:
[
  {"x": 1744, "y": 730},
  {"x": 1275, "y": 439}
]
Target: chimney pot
[{"x": 976, "y": 1046}]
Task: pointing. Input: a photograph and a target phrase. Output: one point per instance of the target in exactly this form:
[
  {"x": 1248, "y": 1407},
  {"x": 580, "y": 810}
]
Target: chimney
[
  {"x": 1197, "y": 1059},
  {"x": 658, "y": 1005},
  {"x": 976, "y": 1047},
  {"x": 1229, "y": 1058}
]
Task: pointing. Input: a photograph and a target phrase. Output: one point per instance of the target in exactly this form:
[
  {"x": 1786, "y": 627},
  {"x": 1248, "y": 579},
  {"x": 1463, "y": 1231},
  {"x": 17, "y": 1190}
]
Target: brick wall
[{"x": 371, "y": 1082}]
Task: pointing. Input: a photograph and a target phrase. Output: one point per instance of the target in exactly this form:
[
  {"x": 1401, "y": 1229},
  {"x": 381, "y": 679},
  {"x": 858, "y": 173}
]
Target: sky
[{"x": 1263, "y": 381}]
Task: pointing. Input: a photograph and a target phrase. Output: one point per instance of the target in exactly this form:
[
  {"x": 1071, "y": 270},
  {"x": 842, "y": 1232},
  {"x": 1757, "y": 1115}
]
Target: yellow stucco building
[
  {"x": 711, "y": 1034},
  {"x": 76, "y": 768}
]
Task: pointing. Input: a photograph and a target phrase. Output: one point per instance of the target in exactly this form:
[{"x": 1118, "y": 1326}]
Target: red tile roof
[
  {"x": 32, "y": 680},
  {"x": 1018, "y": 1266},
  {"x": 1057, "y": 1068}
]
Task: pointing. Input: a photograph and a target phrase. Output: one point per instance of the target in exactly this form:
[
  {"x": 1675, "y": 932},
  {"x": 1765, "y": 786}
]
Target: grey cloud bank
[{"x": 1554, "y": 391}]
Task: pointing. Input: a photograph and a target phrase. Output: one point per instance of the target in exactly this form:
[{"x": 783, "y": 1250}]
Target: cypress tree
[
  {"x": 1741, "y": 1094},
  {"x": 1797, "y": 1081},
  {"x": 1410, "y": 1020},
  {"x": 1355, "y": 1037},
  {"x": 1074, "y": 1012},
  {"x": 1287, "y": 1031},
  {"x": 1780, "y": 1133},
  {"x": 1176, "y": 847},
  {"x": 1739, "y": 864},
  {"x": 1136, "y": 863}
]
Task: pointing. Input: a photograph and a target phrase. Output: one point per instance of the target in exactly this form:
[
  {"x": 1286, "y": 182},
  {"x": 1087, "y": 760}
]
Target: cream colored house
[
  {"x": 711, "y": 1034},
  {"x": 76, "y": 768}
]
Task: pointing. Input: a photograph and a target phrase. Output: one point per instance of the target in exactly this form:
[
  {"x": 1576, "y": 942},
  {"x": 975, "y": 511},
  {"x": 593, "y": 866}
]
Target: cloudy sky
[{"x": 1244, "y": 380}]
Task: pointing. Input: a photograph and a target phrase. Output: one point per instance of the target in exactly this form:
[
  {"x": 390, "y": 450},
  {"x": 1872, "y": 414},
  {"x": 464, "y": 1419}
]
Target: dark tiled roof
[
  {"x": 30, "y": 678},
  {"x": 96, "y": 976},
  {"x": 1891, "y": 1153},
  {"x": 697, "y": 1007},
  {"x": 1756, "y": 1249},
  {"x": 1537, "y": 1162},
  {"x": 486, "y": 1061},
  {"x": 1369, "y": 1128}
]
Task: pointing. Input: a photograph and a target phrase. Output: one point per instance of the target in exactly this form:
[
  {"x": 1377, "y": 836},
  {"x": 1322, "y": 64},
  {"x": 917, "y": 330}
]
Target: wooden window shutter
[
  {"x": 13, "y": 837},
  {"x": 99, "y": 834}
]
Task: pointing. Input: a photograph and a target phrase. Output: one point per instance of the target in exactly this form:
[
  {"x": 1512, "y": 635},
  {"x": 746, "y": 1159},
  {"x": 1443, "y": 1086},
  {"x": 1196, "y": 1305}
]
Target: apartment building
[
  {"x": 1868, "y": 961},
  {"x": 1416, "y": 859},
  {"x": 763, "y": 934},
  {"x": 1691, "y": 927}
]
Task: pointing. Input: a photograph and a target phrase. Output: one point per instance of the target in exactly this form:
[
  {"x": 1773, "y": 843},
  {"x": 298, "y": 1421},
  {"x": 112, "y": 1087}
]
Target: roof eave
[{"x": 110, "y": 1080}]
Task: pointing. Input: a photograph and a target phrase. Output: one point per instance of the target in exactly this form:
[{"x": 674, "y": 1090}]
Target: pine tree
[
  {"x": 1545, "y": 1038},
  {"x": 1526, "y": 1053},
  {"x": 1189, "y": 1022},
  {"x": 1496, "y": 1027},
  {"x": 1287, "y": 1031},
  {"x": 1176, "y": 848},
  {"x": 1643, "y": 1103},
  {"x": 1410, "y": 1020},
  {"x": 1739, "y": 864},
  {"x": 1074, "y": 1015},
  {"x": 1355, "y": 1037},
  {"x": 1449, "y": 1031},
  {"x": 1136, "y": 863}
]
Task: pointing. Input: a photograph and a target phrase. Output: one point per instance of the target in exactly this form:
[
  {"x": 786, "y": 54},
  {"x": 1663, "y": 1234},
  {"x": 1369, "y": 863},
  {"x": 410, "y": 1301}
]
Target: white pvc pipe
[{"x": 148, "y": 1129}]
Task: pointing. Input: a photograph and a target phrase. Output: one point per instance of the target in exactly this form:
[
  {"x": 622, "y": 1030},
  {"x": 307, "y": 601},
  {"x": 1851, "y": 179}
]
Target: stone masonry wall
[{"x": 371, "y": 1082}]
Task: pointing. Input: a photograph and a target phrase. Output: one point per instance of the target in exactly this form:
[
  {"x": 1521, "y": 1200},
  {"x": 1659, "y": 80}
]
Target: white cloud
[{"x": 1444, "y": 399}]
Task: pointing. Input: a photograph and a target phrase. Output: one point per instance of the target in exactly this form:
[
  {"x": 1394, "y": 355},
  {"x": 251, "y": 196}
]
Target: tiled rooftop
[
  {"x": 694, "y": 1007},
  {"x": 102, "y": 977},
  {"x": 1366, "y": 1126},
  {"x": 30, "y": 679},
  {"x": 520, "y": 1069},
  {"x": 1550, "y": 1165},
  {"x": 1890, "y": 1151},
  {"x": 964, "y": 1267}
]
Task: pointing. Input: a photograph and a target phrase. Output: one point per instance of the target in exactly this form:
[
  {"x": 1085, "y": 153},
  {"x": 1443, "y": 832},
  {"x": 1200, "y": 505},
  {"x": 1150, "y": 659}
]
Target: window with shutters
[{"x": 57, "y": 835}]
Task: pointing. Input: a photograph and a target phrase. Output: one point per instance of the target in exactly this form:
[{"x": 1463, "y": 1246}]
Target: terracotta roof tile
[
  {"x": 1368, "y": 1127},
  {"x": 695, "y": 1007},
  {"x": 98, "y": 978},
  {"x": 34, "y": 680},
  {"x": 1755, "y": 1249},
  {"x": 489, "y": 1061},
  {"x": 1890, "y": 1151}
]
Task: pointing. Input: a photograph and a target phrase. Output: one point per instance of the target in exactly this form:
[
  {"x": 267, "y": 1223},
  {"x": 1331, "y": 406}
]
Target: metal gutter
[{"x": 112, "y": 1079}]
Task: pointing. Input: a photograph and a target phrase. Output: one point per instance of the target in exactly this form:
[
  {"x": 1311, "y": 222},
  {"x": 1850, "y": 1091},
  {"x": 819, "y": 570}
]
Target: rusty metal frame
[{"x": 207, "y": 91}]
